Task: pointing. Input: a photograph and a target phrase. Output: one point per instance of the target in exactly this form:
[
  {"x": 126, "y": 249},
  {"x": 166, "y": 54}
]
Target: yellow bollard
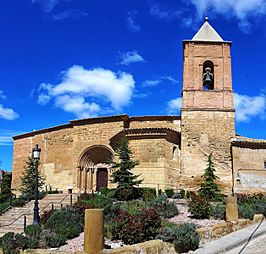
[{"x": 94, "y": 231}]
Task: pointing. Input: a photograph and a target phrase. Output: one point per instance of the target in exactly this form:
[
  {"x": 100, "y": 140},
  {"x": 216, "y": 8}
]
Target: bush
[
  {"x": 169, "y": 192},
  {"x": 183, "y": 236},
  {"x": 104, "y": 191},
  {"x": 81, "y": 207},
  {"x": 164, "y": 207},
  {"x": 182, "y": 193},
  {"x": 199, "y": 207},
  {"x": 33, "y": 231},
  {"x": 65, "y": 222},
  {"x": 133, "y": 207},
  {"x": 18, "y": 202},
  {"x": 111, "y": 193},
  {"x": 11, "y": 243},
  {"x": 54, "y": 240},
  {"x": 4, "y": 206},
  {"x": 217, "y": 211},
  {"x": 138, "y": 228},
  {"x": 246, "y": 211},
  {"x": 46, "y": 215},
  {"x": 148, "y": 194},
  {"x": 126, "y": 194}
]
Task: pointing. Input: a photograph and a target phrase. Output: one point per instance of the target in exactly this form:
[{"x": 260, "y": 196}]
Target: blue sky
[{"x": 67, "y": 59}]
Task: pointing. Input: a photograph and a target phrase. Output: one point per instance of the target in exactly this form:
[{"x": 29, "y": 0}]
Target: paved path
[
  {"x": 256, "y": 246},
  {"x": 234, "y": 242}
]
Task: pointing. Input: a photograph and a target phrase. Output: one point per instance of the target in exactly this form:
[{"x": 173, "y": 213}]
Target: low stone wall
[
  {"x": 150, "y": 247},
  {"x": 217, "y": 231}
]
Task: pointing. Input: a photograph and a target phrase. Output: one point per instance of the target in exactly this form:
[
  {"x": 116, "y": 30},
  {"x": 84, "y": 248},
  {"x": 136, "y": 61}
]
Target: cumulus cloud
[
  {"x": 131, "y": 57},
  {"x": 7, "y": 113},
  {"x": 48, "y": 5},
  {"x": 243, "y": 10},
  {"x": 248, "y": 107},
  {"x": 174, "y": 106},
  {"x": 80, "y": 90},
  {"x": 131, "y": 22}
]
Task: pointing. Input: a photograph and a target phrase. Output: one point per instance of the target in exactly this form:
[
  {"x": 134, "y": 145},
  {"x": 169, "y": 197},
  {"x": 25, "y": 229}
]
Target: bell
[{"x": 207, "y": 80}]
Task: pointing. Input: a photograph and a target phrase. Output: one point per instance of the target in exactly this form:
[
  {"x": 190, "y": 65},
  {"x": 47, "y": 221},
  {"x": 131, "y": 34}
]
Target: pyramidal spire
[{"x": 207, "y": 33}]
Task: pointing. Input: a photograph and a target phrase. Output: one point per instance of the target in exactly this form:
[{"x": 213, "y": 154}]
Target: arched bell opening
[
  {"x": 93, "y": 168},
  {"x": 208, "y": 75}
]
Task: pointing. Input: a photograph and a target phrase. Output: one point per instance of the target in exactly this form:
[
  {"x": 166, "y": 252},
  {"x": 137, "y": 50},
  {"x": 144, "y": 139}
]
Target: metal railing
[{"x": 50, "y": 203}]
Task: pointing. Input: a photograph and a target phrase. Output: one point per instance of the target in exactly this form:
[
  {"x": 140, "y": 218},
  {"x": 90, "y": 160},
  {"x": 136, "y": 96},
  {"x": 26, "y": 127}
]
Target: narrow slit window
[{"x": 265, "y": 164}]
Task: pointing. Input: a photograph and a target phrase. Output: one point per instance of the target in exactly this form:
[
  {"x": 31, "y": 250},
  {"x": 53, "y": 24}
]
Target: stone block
[{"x": 231, "y": 209}]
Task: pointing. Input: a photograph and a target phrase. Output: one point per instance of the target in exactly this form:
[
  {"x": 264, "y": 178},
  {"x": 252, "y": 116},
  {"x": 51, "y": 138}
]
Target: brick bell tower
[{"x": 208, "y": 118}]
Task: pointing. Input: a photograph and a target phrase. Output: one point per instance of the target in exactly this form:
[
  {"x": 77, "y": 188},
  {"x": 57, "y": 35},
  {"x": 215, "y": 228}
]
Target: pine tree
[
  {"x": 209, "y": 188},
  {"x": 5, "y": 188},
  {"x": 28, "y": 178},
  {"x": 126, "y": 181}
]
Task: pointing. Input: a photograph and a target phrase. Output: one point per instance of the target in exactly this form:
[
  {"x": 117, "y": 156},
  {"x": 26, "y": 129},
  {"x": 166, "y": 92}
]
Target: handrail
[
  {"x": 6, "y": 209},
  {"x": 25, "y": 214}
]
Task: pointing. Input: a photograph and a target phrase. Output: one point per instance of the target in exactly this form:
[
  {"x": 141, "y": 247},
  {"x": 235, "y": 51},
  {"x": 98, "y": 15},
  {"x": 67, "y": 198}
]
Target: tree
[
  {"x": 5, "y": 187},
  {"x": 28, "y": 178},
  {"x": 126, "y": 181},
  {"x": 209, "y": 188}
]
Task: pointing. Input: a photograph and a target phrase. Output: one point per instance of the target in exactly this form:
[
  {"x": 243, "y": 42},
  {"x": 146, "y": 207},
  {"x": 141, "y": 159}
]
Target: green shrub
[
  {"x": 54, "y": 240},
  {"x": 133, "y": 207},
  {"x": 11, "y": 243},
  {"x": 217, "y": 211},
  {"x": 4, "y": 206},
  {"x": 18, "y": 202},
  {"x": 104, "y": 191},
  {"x": 183, "y": 236},
  {"x": 148, "y": 194},
  {"x": 137, "y": 228},
  {"x": 182, "y": 193},
  {"x": 111, "y": 193},
  {"x": 246, "y": 211},
  {"x": 33, "y": 231},
  {"x": 97, "y": 201},
  {"x": 169, "y": 192},
  {"x": 126, "y": 194},
  {"x": 46, "y": 215},
  {"x": 199, "y": 207},
  {"x": 66, "y": 222},
  {"x": 164, "y": 207}
]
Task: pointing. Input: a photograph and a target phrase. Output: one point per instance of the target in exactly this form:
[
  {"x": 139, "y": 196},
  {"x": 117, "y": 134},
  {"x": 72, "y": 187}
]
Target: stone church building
[{"x": 172, "y": 150}]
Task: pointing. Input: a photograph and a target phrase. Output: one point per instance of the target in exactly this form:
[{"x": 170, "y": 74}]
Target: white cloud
[
  {"x": 155, "y": 82},
  {"x": 131, "y": 57},
  {"x": 157, "y": 11},
  {"x": 7, "y": 113},
  {"x": 73, "y": 14},
  {"x": 2, "y": 96},
  {"x": 174, "y": 106},
  {"x": 80, "y": 88},
  {"x": 248, "y": 107},
  {"x": 6, "y": 136},
  {"x": 47, "y": 5},
  {"x": 151, "y": 83},
  {"x": 243, "y": 10},
  {"x": 131, "y": 22}
]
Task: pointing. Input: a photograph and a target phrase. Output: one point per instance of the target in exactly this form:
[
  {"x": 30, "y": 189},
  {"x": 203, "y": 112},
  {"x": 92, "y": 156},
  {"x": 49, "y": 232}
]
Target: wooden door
[{"x": 102, "y": 178}]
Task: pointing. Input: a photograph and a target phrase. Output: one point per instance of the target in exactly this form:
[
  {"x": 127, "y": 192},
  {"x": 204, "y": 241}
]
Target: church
[{"x": 172, "y": 150}]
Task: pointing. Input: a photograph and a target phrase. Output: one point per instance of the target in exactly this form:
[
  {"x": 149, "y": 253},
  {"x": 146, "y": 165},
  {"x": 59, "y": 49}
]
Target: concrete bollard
[
  {"x": 231, "y": 209},
  {"x": 94, "y": 231}
]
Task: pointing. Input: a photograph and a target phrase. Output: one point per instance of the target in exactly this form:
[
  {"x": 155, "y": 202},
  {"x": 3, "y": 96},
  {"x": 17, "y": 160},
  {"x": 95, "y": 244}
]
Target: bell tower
[{"x": 208, "y": 120}]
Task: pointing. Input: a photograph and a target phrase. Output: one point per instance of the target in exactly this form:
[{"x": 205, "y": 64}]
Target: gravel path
[{"x": 184, "y": 216}]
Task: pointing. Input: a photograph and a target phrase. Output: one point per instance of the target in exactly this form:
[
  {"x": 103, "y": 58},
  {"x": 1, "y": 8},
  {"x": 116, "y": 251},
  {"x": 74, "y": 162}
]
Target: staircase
[{"x": 13, "y": 219}]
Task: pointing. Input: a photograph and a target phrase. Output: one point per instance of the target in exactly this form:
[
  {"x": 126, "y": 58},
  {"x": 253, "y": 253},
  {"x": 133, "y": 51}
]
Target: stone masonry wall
[
  {"x": 205, "y": 132},
  {"x": 249, "y": 171}
]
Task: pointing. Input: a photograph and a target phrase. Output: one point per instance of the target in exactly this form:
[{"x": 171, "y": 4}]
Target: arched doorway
[{"x": 93, "y": 168}]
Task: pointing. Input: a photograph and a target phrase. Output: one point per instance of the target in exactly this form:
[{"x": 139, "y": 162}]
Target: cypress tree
[
  {"x": 209, "y": 188},
  {"x": 28, "y": 178},
  {"x": 5, "y": 187},
  {"x": 126, "y": 181}
]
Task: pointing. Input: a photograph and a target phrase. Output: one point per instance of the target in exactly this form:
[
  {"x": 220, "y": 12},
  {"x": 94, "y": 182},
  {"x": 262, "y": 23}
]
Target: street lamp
[{"x": 36, "y": 151}]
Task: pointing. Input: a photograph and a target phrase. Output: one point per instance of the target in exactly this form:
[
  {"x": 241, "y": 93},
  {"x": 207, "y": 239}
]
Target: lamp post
[{"x": 36, "y": 151}]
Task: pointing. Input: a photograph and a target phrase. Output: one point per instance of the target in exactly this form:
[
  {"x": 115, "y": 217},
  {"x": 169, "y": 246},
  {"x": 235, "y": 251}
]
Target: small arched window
[{"x": 208, "y": 75}]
